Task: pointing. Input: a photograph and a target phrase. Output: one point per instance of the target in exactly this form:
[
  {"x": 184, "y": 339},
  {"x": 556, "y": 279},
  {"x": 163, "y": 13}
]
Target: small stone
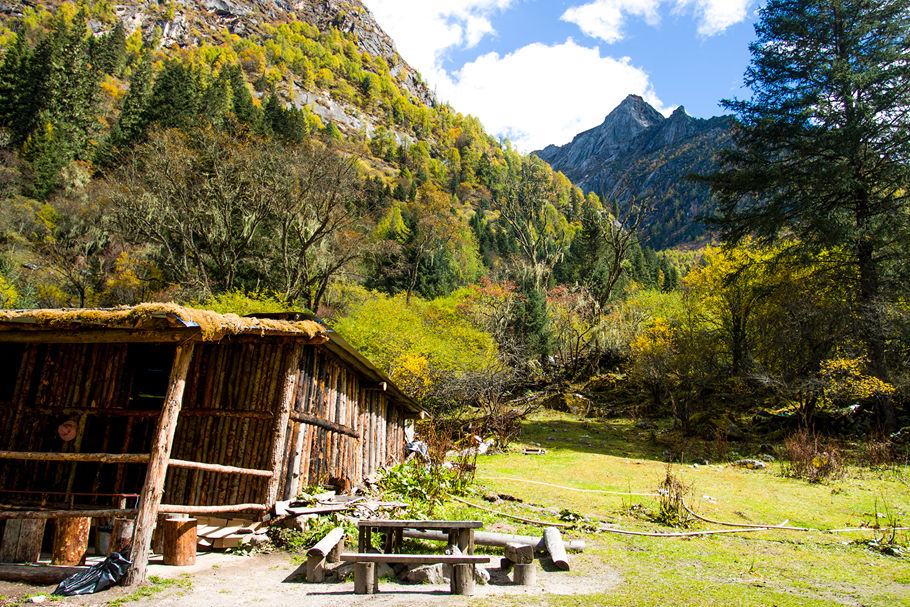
[
  {"x": 551, "y": 437},
  {"x": 481, "y": 575},
  {"x": 768, "y": 458},
  {"x": 38, "y": 600}
]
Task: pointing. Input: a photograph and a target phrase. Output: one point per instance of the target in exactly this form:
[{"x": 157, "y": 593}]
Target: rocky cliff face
[
  {"x": 185, "y": 22},
  {"x": 639, "y": 154}
]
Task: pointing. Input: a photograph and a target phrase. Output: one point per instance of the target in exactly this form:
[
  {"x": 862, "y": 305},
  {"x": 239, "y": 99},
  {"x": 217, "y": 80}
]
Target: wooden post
[
  {"x": 180, "y": 541},
  {"x": 555, "y": 546},
  {"x": 22, "y": 541},
  {"x": 279, "y": 429},
  {"x": 364, "y": 578},
  {"x": 121, "y": 534},
  {"x": 153, "y": 487},
  {"x": 525, "y": 575},
  {"x": 70, "y": 541},
  {"x": 463, "y": 575},
  {"x": 318, "y": 554}
]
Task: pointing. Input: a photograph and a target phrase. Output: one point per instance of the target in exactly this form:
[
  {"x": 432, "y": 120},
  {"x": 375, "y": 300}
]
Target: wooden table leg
[
  {"x": 463, "y": 575},
  {"x": 363, "y": 539}
]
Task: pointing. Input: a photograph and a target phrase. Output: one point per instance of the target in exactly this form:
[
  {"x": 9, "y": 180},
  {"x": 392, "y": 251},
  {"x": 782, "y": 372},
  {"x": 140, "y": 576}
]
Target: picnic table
[{"x": 461, "y": 535}]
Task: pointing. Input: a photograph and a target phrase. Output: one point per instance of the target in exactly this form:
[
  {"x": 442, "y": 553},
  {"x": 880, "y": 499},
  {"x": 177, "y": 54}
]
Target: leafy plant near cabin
[
  {"x": 424, "y": 486},
  {"x": 295, "y": 540}
]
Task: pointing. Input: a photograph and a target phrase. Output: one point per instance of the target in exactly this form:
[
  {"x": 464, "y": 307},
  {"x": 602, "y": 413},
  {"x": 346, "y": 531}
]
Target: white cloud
[
  {"x": 535, "y": 95},
  {"x": 423, "y": 30},
  {"x": 605, "y": 19},
  {"x": 542, "y": 94},
  {"x": 718, "y": 15}
]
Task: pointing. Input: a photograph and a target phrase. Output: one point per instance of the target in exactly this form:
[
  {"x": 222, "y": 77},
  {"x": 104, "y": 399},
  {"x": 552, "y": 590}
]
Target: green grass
[
  {"x": 799, "y": 569},
  {"x": 155, "y": 586}
]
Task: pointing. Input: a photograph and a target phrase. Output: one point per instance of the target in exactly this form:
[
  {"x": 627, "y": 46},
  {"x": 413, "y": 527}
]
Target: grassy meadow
[{"x": 764, "y": 568}]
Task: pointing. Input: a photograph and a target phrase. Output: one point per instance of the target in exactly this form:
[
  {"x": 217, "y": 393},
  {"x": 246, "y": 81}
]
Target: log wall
[
  {"x": 232, "y": 393},
  {"x": 330, "y": 390}
]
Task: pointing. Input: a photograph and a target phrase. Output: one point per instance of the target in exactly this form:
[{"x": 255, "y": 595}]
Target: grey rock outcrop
[{"x": 637, "y": 153}]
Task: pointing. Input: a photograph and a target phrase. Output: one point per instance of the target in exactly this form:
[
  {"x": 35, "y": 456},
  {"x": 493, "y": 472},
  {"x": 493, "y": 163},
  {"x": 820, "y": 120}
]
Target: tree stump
[
  {"x": 179, "y": 541},
  {"x": 22, "y": 541},
  {"x": 364, "y": 578},
  {"x": 525, "y": 574},
  {"x": 121, "y": 534},
  {"x": 70, "y": 541}
]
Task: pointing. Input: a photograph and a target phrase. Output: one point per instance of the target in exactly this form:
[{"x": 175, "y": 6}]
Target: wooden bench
[{"x": 462, "y": 580}]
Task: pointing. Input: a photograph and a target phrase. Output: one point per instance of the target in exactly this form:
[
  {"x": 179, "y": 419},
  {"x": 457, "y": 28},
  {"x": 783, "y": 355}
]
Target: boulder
[
  {"x": 751, "y": 464},
  {"x": 426, "y": 574}
]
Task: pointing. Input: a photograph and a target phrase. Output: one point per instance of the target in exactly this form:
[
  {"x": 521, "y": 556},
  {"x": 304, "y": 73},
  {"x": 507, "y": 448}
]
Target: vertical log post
[
  {"x": 462, "y": 581},
  {"x": 70, "y": 540},
  {"x": 279, "y": 430},
  {"x": 121, "y": 534},
  {"x": 153, "y": 487}
]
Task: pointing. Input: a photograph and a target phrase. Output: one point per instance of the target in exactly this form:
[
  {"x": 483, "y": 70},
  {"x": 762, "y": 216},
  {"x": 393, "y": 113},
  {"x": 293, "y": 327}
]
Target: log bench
[{"x": 462, "y": 580}]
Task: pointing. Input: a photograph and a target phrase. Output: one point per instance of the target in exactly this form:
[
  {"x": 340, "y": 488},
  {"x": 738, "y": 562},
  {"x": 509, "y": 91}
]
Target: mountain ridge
[{"x": 638, "y": 154}]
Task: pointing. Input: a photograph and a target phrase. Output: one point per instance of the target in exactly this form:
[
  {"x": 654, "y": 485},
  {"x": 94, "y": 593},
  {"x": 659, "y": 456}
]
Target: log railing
[{"x": 126, "y": 458}]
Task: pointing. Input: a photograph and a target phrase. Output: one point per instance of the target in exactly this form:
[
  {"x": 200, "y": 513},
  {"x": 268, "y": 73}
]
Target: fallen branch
[
  {"x": 522, "y": 480},
  {"x": 781, "y": 526},
  {"x": 512, "y": 516},
  {"x": 687, "y": 533}
]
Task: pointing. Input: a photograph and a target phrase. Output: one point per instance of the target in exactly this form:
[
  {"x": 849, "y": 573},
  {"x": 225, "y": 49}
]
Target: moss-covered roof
[{"x": 169, "y": 318}]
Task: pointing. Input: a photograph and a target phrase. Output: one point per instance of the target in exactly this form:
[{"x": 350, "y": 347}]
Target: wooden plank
[
  {"x": 153, "y": 487},
  {"x": 108, "y": 336},
  {"x": 22, "y": 541}
]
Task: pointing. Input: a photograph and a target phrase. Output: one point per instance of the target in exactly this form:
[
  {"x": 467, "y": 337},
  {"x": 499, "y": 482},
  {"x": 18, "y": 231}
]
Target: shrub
[{"x": 810, "y": 460}]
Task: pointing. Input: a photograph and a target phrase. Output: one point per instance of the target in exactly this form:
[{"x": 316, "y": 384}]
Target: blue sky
[{"x": 538, "y": 72}]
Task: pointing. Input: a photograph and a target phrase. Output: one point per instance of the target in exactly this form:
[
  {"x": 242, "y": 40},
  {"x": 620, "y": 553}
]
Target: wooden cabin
[{"x": 163, "y": 409}]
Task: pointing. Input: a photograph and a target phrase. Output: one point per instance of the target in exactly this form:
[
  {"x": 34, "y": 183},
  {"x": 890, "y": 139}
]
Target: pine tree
[
  {"x": 174, "y": 101},
  {"x": 133, "y": 122},
  {"x": 823, "y": 146}
]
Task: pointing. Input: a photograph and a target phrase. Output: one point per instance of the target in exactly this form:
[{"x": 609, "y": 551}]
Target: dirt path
[{"x": 271, "y": 579}]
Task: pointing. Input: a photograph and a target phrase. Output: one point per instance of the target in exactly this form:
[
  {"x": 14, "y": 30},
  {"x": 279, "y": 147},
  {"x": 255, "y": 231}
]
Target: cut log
[
  {"x": 22, "y": 541},
  {"x": 153, "y": 486},
  {"x": 39, "y": 575},
  {"x": 179, "y": 541},
  {"x": 525, "y": 575},
  {"x": 121, "y": 534},
  {"x": 178, "y": 509},
  {"x": 520, "y": 554},
  {"x": 70, "y": 541},
  {"x": 316, "y": 556},
  {"x": 557, "y": 549},
  {"x": 280, "y": 422},
  {"x": 364, "y": 578},
  {"x": 489, "y": 538}
]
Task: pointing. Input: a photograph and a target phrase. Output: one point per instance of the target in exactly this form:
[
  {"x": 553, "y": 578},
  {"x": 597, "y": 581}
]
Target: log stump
[
  {"x": 524, "y": 574},
  {"x": 70, "y": 541},
  {"x": 365, "y": 578},
  {"x": 121, "y": 534},
  {"x": 179, "y": 541},
  {"x": 22, "y": 541}
]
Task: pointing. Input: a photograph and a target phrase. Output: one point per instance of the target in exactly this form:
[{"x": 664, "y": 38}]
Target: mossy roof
[{"x": 202, "y": 325}]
